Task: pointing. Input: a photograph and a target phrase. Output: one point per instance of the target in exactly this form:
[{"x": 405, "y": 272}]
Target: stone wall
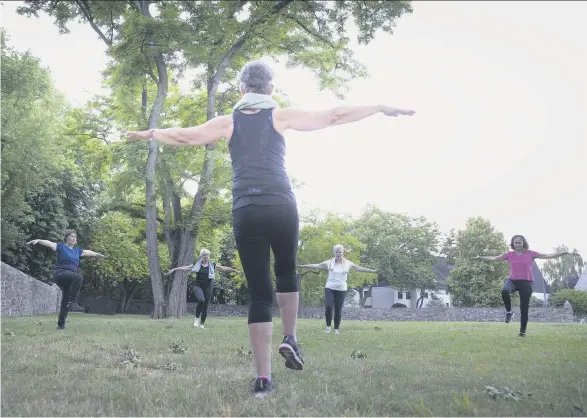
[
  {"x": 23, "y": 295},
  {"x": 406, "y": 314},
  {"x": 103, "y": 305}
]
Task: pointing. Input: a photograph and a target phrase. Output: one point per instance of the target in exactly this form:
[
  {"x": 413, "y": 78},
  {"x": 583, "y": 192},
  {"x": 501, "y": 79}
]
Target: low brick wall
[{"x": 23, "y": 295}]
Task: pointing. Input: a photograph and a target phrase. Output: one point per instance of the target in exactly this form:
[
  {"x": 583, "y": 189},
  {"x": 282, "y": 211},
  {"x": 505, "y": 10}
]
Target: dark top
[
  {"x": 202, "y": 274},
  {"x": 67, "y": 258},
  {"x": 257, "y": 151}
]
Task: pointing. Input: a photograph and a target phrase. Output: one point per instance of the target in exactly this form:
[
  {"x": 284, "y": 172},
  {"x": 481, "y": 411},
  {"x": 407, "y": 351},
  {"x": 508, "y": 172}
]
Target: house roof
[
  {"x": 582, "y": 282},
  {"x": 540, "y": 285}
]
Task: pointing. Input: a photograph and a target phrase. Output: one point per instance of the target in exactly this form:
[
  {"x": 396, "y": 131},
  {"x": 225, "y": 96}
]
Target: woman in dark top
[
  {"x": 65, "y": 274},
  {"x": 204, "y": 269},
  {"x": 264, "y": 211}
]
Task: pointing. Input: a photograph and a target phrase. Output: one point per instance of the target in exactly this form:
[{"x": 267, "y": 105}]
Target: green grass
[{"x": 422, "y": 369}]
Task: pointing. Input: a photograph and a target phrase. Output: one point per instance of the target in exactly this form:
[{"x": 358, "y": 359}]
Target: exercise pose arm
[
  {"x": 44, "y": 242},
  {"x": 556, "y": 255},
  {"x": 88, "y": 253},
  {"x": 182, "y": 268},
  {"x": 223, "y": 268},
  {"x": 205, "y": 134},
  {"x": 362, "y": 269},
  {"x": 301, "y": 120},
  {"x": 489, "y": 258},
  {"x": 321, "y": 266}
]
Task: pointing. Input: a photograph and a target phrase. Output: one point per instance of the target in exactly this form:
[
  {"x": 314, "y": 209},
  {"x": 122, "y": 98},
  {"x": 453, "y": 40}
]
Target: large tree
[
  {"x": 402, "y": 248},
  {"x": 563, "y": 272},
  {"x": 476, "y": 283},
  {"x": 216, "y": 37}
]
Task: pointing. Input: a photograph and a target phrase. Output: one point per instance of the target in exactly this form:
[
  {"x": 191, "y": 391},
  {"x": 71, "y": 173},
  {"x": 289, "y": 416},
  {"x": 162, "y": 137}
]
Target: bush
[
  {"x": 577, "y": 299},
  {"x": 536, "y": 303},
  {"x": 398, "y": 305},
  {"x": 436, "y": 304}
]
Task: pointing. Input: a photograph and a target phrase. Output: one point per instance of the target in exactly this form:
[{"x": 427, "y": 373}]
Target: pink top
[{"x": 520, "y": 264}]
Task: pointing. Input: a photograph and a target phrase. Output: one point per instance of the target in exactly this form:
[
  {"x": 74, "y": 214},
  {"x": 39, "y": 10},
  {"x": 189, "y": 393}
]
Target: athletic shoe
[
  {"x": 61, "y": 327},
  {"x": 327, "y": 330},
  {"x": 202, "y": 326},
  {"x": 522, "y": 334},
  {"x": 291, "y": 352},
  {"x": 197, "y": 322},
  {"x": 336, "y": 332},
  {"x": 508, "y": 317},
  {"x": 262, "y": 387},
  {"x": 74, "y": 307}
]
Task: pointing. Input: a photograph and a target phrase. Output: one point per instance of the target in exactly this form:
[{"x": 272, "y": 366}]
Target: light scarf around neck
[
  {"x": 255, "y": 101},
  {"x": 196, "y": 267},
  {"x": 332, "y": 263}
]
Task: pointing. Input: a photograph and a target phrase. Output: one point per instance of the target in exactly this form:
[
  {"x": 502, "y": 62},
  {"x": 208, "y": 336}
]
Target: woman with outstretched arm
[
  {"x": 521, "y": 278},
  {"x": 335, "y": 289},
  {"x": 65, "y": 273}
]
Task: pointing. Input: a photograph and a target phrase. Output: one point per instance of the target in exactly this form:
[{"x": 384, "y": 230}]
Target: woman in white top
[{"x": 335, "y": 290}]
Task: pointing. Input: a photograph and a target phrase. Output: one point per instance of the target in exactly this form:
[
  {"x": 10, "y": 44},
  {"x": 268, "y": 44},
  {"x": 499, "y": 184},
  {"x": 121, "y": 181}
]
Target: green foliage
[
  {"x": 563, "y": 272},
  {"x": 44, "y": 186},
  {"x": 536, "y": 303},
  {"x": 476, "y": 283},
  {"x": 577, "y": 299},
  {"x": 317, "y": 239},
  {"x": 120, "y": 238},
  {"x": 403, "y": 249}
]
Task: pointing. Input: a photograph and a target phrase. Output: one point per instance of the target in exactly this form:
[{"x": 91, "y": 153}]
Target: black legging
[
  {"x": 203, "y": 290},
  {"x": 524, "y": 287},
  {"x": 334, "y": 299},
  {"x": 70, "y": 284},
  {"x": 258, "y": 230}
]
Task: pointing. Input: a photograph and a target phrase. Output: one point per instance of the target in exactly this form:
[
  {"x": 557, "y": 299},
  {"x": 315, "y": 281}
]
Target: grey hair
[
  {"x": 256, "y": 77},
  {"x": 205, "y": 251},
  {"x": 338, "y": 247}
]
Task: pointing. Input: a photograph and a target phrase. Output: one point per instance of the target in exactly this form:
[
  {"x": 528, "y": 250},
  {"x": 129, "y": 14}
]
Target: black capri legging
[
  {"x": 525, "y": 289},
  {"x": 258, "y": 230},
  {"x": 334, "y": 299}
]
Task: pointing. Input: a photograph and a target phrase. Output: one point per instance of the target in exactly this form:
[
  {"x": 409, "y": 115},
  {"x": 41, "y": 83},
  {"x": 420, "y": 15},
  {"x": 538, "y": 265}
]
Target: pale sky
[{"x": 500, "y": 91}]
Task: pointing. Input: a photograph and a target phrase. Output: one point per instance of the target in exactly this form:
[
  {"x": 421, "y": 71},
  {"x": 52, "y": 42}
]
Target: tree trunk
[
  {"x": 130, "y": 295},
  {"x": 189, "y": 234},
  {"x": 420, "y": 300},
  {"x": 127, "y": 291},
  {"x": 121, "y": 299},
  {"x": 300, "y": 300},
  {"x": 363, "y": 295},
  {"x": 159, "y": 306},
  {"x": 185, "y": 255}
]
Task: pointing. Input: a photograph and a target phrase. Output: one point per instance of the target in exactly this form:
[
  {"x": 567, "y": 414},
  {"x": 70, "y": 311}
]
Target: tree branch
[
  {"x": 86, "y": 10},
  {"x": 309, "y": 31}
]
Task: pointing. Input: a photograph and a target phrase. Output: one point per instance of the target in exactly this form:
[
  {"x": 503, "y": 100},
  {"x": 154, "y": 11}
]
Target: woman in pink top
[{"x": 520, "y": 278}]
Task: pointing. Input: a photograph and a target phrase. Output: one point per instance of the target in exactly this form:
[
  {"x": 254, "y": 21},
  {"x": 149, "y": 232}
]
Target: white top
[{"x": 337, "y": 274}]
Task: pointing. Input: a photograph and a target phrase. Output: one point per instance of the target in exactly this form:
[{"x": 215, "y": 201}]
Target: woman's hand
[{"x": 137, "y": 135}]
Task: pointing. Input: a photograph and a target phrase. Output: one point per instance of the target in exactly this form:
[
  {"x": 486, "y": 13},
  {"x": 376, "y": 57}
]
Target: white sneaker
[
  {"x": 202, "y": 326},
  {"x": 327, "y": 330},
  {"x": 197, "y": 322},
  {"x": 336, "y": 332}
]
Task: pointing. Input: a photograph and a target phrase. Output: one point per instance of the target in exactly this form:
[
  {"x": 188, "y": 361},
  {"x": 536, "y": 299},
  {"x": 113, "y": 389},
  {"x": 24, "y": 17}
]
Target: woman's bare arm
[
  {"x": 302, "y": 120},
  {"x": 44, "y": 242}
]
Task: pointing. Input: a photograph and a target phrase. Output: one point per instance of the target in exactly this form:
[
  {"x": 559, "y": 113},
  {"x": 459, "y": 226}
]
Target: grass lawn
[{"x": 422, "y": 369}]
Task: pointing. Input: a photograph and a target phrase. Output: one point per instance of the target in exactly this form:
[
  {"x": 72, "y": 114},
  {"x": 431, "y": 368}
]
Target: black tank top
[{"x": 257, "y": 151}]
